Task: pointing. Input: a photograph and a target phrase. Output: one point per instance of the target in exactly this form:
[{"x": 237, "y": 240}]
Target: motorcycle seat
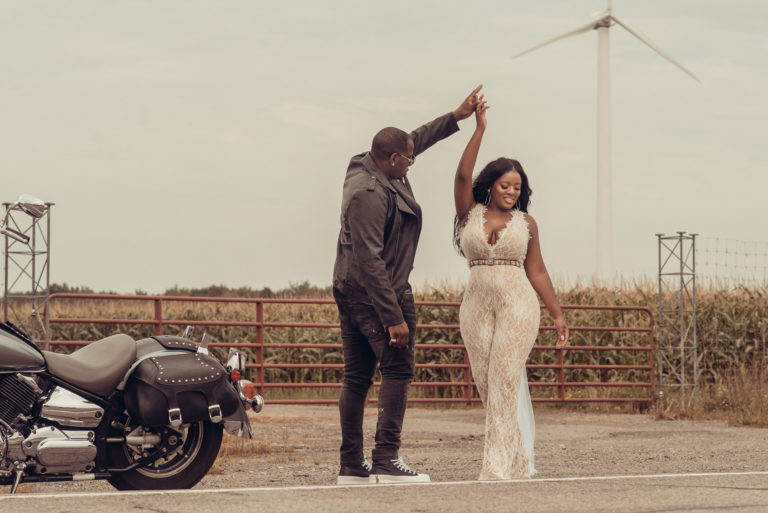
[{"x": 97, "y": 367}]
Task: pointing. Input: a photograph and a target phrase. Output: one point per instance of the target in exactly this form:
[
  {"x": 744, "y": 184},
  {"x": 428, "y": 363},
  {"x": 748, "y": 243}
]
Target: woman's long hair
[{"x": 485, "y": 180}]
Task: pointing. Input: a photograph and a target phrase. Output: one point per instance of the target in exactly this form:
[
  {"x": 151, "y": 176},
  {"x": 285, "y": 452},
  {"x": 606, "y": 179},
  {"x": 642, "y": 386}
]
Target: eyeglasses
[{"x": 410, "y": 160}]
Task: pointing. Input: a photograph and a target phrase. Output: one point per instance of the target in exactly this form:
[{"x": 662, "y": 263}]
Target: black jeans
[{"x": 365, "y": 343}]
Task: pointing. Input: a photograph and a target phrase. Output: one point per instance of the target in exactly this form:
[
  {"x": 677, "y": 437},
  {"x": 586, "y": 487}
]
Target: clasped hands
[{"x": 476, "y": 103}]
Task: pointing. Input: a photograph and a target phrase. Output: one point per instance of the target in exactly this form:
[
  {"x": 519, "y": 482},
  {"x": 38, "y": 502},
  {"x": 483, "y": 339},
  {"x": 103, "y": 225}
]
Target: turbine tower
[{"x": 602, "y": 22}]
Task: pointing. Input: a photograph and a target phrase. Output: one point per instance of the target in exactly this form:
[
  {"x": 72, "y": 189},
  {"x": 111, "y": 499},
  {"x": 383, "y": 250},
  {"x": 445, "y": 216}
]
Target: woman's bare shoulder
[{"x": 533, "y": 228}]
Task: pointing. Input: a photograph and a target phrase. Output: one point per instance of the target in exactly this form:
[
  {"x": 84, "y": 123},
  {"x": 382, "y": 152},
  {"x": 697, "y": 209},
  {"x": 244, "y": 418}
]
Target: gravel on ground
[{"x": 298, "y": 445}]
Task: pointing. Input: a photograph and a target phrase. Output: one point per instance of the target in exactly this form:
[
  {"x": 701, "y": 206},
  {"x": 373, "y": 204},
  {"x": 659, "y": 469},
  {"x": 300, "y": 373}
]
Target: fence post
[
  {"x": 158, "y": 316},
  {"x": 652, "y": 356},
  {"x": 260, "y": 348},
  {"x": 560, "y": 374}
]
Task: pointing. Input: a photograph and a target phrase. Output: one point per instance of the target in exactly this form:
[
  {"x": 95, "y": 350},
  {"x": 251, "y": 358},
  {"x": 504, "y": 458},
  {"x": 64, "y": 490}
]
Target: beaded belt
[{"x": 495, "y": 261}]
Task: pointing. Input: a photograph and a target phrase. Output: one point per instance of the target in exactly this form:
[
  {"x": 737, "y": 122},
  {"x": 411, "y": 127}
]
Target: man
[{"x": 380, "y": 227}]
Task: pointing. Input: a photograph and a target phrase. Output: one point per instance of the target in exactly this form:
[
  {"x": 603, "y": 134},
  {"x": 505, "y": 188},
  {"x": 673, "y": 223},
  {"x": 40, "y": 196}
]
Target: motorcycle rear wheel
[{"x": 182, "y": 469}]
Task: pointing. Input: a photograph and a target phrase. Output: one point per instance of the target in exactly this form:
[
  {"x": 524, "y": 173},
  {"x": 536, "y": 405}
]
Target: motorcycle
[{"x": 144, "y": 415}]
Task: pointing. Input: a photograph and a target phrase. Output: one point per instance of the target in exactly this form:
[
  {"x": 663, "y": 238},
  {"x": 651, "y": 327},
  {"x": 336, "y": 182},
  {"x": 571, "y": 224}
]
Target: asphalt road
[
  {"x": 587, "y": 462},
  {"x": 714, "y": 492}
]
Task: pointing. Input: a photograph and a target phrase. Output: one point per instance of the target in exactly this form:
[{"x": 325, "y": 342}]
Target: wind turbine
[{"x": 602, "y": 22}]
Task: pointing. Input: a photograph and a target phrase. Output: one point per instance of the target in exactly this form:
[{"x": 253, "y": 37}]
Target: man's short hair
[{"x": 388, "y": 141}]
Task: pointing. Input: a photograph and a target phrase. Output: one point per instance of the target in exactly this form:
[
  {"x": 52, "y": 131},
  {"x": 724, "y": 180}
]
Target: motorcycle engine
[
  {"x": 18, "y": 394},
  {"x": 35, "y": 444}
]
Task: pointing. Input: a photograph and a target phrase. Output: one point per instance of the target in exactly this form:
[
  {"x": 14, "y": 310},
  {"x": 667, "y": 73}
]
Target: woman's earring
[
  {"x": 487, "y": 197},
  {"x": 517, "y": 204}
]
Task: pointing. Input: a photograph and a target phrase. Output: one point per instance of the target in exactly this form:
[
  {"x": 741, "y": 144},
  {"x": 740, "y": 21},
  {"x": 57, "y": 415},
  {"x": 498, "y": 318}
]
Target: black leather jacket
[{"x": 380, "y": 228}]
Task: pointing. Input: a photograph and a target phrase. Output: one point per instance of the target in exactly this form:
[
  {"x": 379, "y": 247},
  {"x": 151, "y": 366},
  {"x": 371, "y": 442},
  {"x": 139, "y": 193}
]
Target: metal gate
[{"x": 580, "y": 372}]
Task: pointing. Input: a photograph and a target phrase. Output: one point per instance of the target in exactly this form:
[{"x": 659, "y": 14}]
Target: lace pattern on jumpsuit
[{"x": 499, "y": 320}]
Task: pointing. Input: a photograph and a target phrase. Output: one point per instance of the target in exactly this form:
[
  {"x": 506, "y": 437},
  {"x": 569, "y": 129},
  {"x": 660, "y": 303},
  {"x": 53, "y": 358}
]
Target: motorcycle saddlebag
[{"x": 180, "y": 388}]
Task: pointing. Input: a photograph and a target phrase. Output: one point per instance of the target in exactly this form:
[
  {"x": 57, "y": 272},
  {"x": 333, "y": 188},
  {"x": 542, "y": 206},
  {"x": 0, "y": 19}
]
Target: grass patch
[
  {"x": 242, "y": 447},
  {"x": 739, "y": 396},
  {"x": 235, "y": 447}
]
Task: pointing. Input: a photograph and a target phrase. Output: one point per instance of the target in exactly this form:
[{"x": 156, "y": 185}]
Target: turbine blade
[
  {"x": 653, "y": 47},
  {"x": 578, "y": 30}
]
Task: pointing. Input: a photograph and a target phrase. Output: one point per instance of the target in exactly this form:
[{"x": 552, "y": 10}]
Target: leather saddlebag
[{"x": 180, "y": 388}]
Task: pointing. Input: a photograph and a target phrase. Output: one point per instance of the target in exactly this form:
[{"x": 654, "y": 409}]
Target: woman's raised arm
[{"x": 462, "y": 188}]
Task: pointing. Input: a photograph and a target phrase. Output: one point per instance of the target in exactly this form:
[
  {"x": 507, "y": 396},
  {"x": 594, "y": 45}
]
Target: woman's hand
[
  {"x": 562, "y": 332},
  {"x": 468, "y": 106},
  {"x": 480, "y": 108}
]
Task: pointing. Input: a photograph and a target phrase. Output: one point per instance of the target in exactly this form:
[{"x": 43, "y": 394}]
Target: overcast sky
[{"x": 194, "y": 143}]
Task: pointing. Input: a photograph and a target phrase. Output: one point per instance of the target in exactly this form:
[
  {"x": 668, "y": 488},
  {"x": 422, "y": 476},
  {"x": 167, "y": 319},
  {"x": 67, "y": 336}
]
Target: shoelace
[{"x": 401, "y": 466}]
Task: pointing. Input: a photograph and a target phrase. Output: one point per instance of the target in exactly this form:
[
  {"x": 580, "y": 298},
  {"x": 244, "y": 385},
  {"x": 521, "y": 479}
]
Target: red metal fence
[{"x": 566, "y": 358}]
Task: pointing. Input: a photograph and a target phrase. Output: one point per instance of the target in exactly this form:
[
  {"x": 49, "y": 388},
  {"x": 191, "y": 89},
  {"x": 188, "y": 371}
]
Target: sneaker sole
[
  {"x": 386, "y": 478},
  {"x": 355, "y": 480}
]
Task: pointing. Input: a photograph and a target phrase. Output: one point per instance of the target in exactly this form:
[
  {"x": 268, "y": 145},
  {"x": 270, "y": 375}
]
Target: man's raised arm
[{"x": 430, "y": 133}]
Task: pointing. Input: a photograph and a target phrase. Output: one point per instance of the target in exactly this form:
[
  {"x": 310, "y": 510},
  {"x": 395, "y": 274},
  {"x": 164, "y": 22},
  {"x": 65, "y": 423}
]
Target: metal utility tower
[
  {"x": 26, "y": 228},
  {"x": 677, "y": 345}
]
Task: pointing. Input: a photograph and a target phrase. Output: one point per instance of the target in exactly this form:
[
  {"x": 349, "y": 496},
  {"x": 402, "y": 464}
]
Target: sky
[{"x": 203, "y": 142}]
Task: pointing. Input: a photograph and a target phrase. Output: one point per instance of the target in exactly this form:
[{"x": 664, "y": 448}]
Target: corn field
[{"x": 732, "y": 330}]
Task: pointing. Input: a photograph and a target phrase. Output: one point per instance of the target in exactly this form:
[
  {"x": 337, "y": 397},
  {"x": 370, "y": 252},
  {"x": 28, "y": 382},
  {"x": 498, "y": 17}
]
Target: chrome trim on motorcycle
[
  {"x": 59, "y": 450},
  {"x": 69, "y": 409},
  {"x": 236, "y": 360},
  {"x": 155, "y": 354},
  {"x": 257, "y": 403},
  {"x": 188, "y": 332},
  {"x": 64, "y": 452},
  {"x": 203, "y": 347},
  {"x": 30, "y": 382},
  {"x": 140, "y": 440},
  {"x": 214, "y": 412},
  {"x": 174, "y": 416}
]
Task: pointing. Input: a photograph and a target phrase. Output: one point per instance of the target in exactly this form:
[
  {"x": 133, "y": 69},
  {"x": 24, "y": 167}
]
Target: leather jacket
[{"x": 380, "y": 228}]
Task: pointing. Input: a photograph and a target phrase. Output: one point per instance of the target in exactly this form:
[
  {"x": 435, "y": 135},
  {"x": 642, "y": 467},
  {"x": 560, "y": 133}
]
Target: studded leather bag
[{"x": 180, "y": 388}]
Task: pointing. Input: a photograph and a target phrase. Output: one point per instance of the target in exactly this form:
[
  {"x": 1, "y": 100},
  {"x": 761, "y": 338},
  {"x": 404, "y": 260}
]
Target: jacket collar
[
  {"x": 402, "y": 190},
  {"x": 371, "y": 167}
]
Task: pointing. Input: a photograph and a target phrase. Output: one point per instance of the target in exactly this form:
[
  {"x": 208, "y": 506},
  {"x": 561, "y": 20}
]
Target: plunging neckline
[{"x": 500, "y": 233}]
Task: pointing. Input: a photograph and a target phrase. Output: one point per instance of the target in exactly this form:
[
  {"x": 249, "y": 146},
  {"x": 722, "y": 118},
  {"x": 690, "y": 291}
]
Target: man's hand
[
  {"x": 468, "y": 106},
  {"x": 399, "y": 335}
]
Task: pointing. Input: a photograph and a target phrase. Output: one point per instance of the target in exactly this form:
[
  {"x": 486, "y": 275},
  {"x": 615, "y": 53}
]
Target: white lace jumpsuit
[{"x": 499, "y": 319}]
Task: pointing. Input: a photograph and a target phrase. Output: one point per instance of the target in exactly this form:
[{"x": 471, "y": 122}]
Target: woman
[{"x": 500, "y": 313}]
